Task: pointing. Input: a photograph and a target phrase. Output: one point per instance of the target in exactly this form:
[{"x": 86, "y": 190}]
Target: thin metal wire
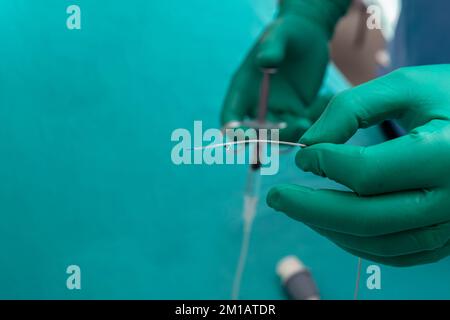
[{"x": 229, "y": 144}]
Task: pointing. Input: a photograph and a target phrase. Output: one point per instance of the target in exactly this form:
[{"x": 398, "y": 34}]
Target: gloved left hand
[
  {"x": 296, "y": 44},
  {"x": 399, "y": 213}
]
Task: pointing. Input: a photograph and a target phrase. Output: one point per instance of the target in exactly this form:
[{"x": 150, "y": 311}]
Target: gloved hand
[
  {"x": 399, "y": 212},
  {"x": 296, "y": 44}
]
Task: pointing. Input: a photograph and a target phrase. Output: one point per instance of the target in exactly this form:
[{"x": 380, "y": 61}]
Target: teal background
[{"x": 86, "y": 176}]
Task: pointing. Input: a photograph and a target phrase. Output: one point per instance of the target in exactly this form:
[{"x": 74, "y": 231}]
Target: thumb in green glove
[{"x": 399, "y": 212}]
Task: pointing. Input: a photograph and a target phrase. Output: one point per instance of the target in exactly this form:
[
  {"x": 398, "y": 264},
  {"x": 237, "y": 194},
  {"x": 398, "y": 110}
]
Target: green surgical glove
[
  {"x": 296, "y": 44},
  {"x": 399, "y": 212}
]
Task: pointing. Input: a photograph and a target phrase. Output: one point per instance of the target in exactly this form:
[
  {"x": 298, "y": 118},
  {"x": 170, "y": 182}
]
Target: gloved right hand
[
  {"x": 296, "y": 44},
  {"x": 399, "y": 212}
]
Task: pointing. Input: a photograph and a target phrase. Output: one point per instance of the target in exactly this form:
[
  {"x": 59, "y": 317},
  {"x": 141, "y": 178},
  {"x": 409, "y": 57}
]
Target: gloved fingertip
[
  {"x": 309, "y": 137},
  {"x": 281, "y": 197},
  {"x": 308, "y": 160},
  {"x": 274, "y": 197},
  {"x": 300, "y": 160}
]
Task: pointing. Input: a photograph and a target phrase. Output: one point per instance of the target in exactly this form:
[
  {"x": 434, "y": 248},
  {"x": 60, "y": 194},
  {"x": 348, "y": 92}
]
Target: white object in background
[{"x": 297, "y": 279}]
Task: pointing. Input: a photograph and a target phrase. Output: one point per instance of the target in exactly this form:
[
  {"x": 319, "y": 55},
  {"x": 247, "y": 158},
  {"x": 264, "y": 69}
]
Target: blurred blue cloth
[{"x": 421, "y": 37}]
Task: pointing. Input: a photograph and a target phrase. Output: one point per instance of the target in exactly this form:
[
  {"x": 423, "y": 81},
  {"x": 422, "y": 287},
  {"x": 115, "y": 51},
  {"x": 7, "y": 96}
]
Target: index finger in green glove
[
  {"x": 410, "y": 95},
  {"x": 356, "y": 108}
]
